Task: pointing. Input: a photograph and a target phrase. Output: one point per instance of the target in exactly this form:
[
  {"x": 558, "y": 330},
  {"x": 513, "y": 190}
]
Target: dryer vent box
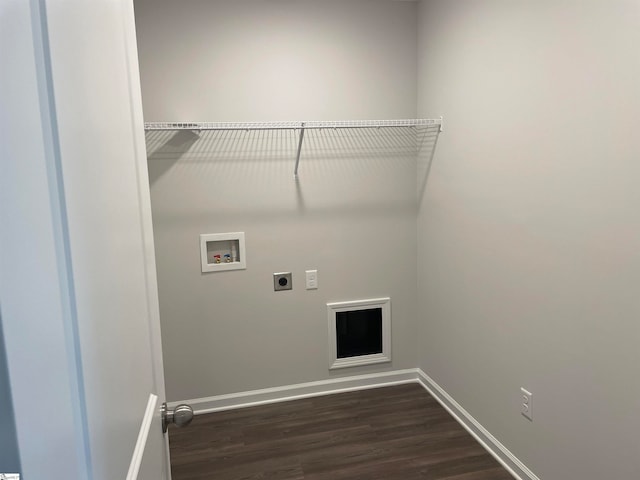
[
  {"x": 222, "y": 251},
  {"x": 359, "y": 332}
]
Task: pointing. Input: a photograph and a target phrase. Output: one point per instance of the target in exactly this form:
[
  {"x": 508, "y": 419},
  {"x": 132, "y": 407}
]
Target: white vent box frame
[
  {"x": 359, "y": 332},
  {"x": 222, "y": 251}
]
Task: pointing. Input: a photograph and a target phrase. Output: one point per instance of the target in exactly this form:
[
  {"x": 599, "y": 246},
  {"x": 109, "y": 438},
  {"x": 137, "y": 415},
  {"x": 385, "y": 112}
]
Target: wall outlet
[
  {"x": 526, "y": 403},
  {"x": 312, "y": 279},
  {"x": 282, "y": 281}
]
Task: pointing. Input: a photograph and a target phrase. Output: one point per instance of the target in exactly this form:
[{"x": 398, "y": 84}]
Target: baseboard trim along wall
[
  {"x": 298, "y": 391},
  {"x": 361, "y": 382},
  {"x": 507, "y": 459}
]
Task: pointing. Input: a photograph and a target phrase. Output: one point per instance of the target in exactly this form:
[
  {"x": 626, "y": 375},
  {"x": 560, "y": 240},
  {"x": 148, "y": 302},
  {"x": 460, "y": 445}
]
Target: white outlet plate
[
  {"x": 526, "y": 403},
  {"x": 311, "y": 279}
]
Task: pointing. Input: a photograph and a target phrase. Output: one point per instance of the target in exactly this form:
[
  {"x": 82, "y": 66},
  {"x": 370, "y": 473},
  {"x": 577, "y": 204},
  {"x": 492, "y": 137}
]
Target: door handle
[{"x": 180, "y": 416}]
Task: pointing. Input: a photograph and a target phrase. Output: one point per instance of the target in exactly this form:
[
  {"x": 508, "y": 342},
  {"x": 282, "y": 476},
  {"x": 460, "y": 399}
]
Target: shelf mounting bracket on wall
[{"x": 302, "y": 126}]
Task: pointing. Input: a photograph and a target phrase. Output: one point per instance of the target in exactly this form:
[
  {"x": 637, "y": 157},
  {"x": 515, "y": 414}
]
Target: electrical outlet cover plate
[
  {"x": 311, "y": 279},
  {"x": 282, "y": 281}
]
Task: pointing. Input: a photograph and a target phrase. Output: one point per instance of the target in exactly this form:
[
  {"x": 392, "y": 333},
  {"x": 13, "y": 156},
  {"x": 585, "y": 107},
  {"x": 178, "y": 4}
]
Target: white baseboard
[
  {"x": 361, "y": 382},
  {"x": 507, "y": 459},
  {"x": 295, "y": 392}
]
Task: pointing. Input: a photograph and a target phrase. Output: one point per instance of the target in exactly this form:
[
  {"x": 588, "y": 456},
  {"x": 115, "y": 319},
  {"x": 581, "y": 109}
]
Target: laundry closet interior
[
  {"x": 444, "y": 159},
  {"x": 349, "y": 213}
]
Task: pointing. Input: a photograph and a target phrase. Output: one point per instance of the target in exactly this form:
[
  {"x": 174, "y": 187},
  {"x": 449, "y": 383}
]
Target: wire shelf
[
  {"x": 302, "y": 126},
  {"x": 149, "y": 126}
]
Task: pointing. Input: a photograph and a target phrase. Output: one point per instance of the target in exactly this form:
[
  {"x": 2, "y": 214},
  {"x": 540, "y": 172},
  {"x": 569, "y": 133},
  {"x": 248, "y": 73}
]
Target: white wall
[
  {"x": 351, "y": 215},
  {"x": 528, "y": 262},
  {"x": 256, "y": 60}
]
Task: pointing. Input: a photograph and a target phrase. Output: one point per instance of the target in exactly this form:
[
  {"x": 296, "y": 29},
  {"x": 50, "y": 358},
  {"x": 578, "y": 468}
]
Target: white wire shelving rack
[{"x": 301, "y": 125}]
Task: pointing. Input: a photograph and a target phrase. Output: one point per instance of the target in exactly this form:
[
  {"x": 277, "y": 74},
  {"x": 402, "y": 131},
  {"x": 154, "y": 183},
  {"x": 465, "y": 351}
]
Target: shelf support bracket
[{"x": 295, "y": 172}]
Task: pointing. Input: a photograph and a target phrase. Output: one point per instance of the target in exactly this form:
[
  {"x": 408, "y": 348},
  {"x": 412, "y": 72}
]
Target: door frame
[{"x": 146, "y": 220}]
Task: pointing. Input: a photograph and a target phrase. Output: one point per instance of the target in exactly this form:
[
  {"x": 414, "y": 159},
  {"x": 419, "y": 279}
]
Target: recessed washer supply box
[{"x": 222, "y": 251}]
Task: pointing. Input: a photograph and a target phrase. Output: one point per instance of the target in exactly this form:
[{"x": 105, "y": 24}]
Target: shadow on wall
[
  {"x": 428, "y": 140},
  {"x": 166, "y": 150},
  {"x": 340, "y": 168}
]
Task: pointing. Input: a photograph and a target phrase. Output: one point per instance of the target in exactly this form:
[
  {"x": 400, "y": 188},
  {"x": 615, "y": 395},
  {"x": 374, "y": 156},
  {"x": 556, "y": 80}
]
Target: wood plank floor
[{"x": 391, "y": 433}]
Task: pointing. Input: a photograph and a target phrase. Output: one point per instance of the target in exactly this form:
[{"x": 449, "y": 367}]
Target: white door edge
[{"x": 138, "y": 451}]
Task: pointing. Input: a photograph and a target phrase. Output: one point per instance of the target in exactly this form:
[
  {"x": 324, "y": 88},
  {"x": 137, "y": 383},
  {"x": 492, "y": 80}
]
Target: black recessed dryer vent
[{"x": 359, "y": 332}]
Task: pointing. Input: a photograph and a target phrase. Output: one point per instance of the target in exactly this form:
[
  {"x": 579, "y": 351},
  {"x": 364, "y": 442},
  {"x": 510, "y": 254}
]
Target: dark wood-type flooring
[{"x": 391, "y": 433}]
